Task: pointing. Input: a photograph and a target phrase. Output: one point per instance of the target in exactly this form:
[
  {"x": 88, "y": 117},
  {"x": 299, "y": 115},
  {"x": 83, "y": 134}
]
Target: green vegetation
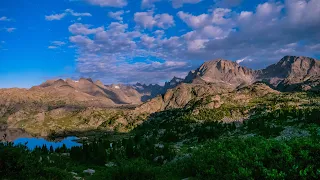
[{"x": 274, "y": 137}]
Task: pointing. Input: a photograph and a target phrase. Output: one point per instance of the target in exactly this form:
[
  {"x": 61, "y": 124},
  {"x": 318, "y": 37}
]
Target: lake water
[{"x": 32, "y": 143}]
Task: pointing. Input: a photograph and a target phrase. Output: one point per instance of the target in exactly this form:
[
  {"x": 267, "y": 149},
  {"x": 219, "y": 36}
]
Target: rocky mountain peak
[
  {"x": 99, "y": 83},
  {"x": 173, "y": 83},
  {"x": 291, "y": 70},
  {"x": 221, "y": 71},
  {"x": 86, "y": 80}
]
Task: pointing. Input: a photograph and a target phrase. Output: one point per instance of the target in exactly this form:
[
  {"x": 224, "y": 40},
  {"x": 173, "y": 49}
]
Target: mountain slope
[
  {"x": 293, "y": 73},
  {"x": 290, "y": 73},
  {"x": 222, "y": 71},
  {"x": 115, "y": 94},
  {"x": 152, "y": 90}
]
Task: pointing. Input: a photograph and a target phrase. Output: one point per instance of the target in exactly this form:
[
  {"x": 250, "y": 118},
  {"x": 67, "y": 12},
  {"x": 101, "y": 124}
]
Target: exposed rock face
[
  {"x": 7, "y": 134},
  {"x": 290, "y": 73},
  {"x": 180, "y": 96},
  {"x": 217, "y": 76},
  {"x": 153, "y": 90},
  {"x": 54, "y": 101},
  {"x": 175, "y": 81},
  {"x": 222, "y": 71},
  {"x": 148, "y": 91},
  {"x": 86, "y": 88}
]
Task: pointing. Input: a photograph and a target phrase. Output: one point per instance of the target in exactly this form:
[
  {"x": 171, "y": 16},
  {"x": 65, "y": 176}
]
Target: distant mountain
[
  {"x": 222, "y": 71},
  {"x": 289, "y": 74},
  {"x": 293, "y": 73},
  {"x": 148, "y": 91},
  {"x": 116, "y": 94},
  {"x": 152, "y": 90},
  {"x": 172, "y": 83},
  {"x": 85, "y": 103}
]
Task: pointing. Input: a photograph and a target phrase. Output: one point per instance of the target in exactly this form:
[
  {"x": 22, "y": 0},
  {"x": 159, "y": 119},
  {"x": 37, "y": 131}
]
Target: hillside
[
  {"x": 68, "y": 105},
  {"x": 291, "y": 73},
  {"x": 222, "y": 71},
  {"x": 256, "y": 131},
  {"x": 286, "y": 75},
  {"x": 223, "y": 121}
]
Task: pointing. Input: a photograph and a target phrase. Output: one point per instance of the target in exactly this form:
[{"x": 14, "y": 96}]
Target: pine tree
[{"x": 51, "y": 149}]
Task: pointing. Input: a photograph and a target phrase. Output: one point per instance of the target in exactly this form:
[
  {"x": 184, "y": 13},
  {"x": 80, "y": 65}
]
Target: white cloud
[
  {"x": 52, "y": 47},
  {"x": 227, "y": 3},
  {"x": 196, "y": 45},
  {"x": 58, "y": 43},
  {"x": 4, "y": 18},
  {"x": 148, "y": 41},
  {"x": 116, "y": 15},
  {"x": 303, "y": 11},
  {"x": 175, "y": 3},
  {"x": 218, "y": 17},
  {"x": 10, "y": 30},
  {"x": 207, "y": 32},
  {"x": 66, "y": 12},
  {"x": 179, "y": 3},
  {"x": 106, "y": 68},
  {"x": 148, "y": 3},
  {"x": 164, "y": 21},
  {"x": 55, "y": 17},
  {"x": 147, "y": 20},
  {"x": 243, "y": 60},
  {"x": 268, "y": 10},
  {"x": 144, "y": 19},
  {"x": 81, "y": 40},
  {"x": 194, "y": 21},
  {"x": 84, "y": 29},
  {"x": 76, "y": 14},
  {"x": 159, "y": 33},
  {"x": 256, "y": 38},
  {"x": 108, "y": 3},
  {"x": 245, "y": 15}
]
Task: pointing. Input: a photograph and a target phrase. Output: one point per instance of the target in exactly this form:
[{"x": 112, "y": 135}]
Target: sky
[{"x": 148, "y": 41}]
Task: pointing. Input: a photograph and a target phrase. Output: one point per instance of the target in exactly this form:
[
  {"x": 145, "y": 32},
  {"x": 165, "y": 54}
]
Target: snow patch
[
  {"x": 139, "y": 87},
  {"x": 117, "y": 87}
]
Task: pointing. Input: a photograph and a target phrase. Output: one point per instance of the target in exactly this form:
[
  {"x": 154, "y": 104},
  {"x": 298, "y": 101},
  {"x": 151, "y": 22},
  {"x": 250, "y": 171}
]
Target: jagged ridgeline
[
  {"x": 67, "y": 105},
  {"x": 222, "y": 121}
]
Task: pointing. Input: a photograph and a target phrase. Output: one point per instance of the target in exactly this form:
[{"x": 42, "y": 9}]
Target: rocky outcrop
[
  {"x": 180, "y": 96},
  {"x": 152, "y": 90},
  {"x": 222, "y": 71},
  {"x": 291, "y": 73}
]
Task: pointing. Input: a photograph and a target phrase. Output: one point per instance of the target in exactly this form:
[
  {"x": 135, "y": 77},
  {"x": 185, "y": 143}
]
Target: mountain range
[
  {"x": 291, "y": 73},
  {"x": 87, "y": 103}
]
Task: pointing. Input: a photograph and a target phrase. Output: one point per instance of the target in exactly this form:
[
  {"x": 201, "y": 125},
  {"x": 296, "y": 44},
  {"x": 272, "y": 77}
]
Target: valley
[{"x": 223, "y": 121}]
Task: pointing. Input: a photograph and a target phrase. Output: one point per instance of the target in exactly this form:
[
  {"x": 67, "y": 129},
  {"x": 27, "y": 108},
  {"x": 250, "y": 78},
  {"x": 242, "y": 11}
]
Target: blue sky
[{"x": 148, "y": 41}]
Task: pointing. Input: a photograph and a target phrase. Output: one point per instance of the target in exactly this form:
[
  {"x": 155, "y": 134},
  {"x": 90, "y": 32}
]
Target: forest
[{"x": 277, "y": 141}]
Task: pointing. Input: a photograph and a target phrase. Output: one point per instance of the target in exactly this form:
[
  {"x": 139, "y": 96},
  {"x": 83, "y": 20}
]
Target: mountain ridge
[
  {"x": 90, "y": 104},
  {"x": 291, "y": 73},
  {"x": 289, "y": 70}
]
